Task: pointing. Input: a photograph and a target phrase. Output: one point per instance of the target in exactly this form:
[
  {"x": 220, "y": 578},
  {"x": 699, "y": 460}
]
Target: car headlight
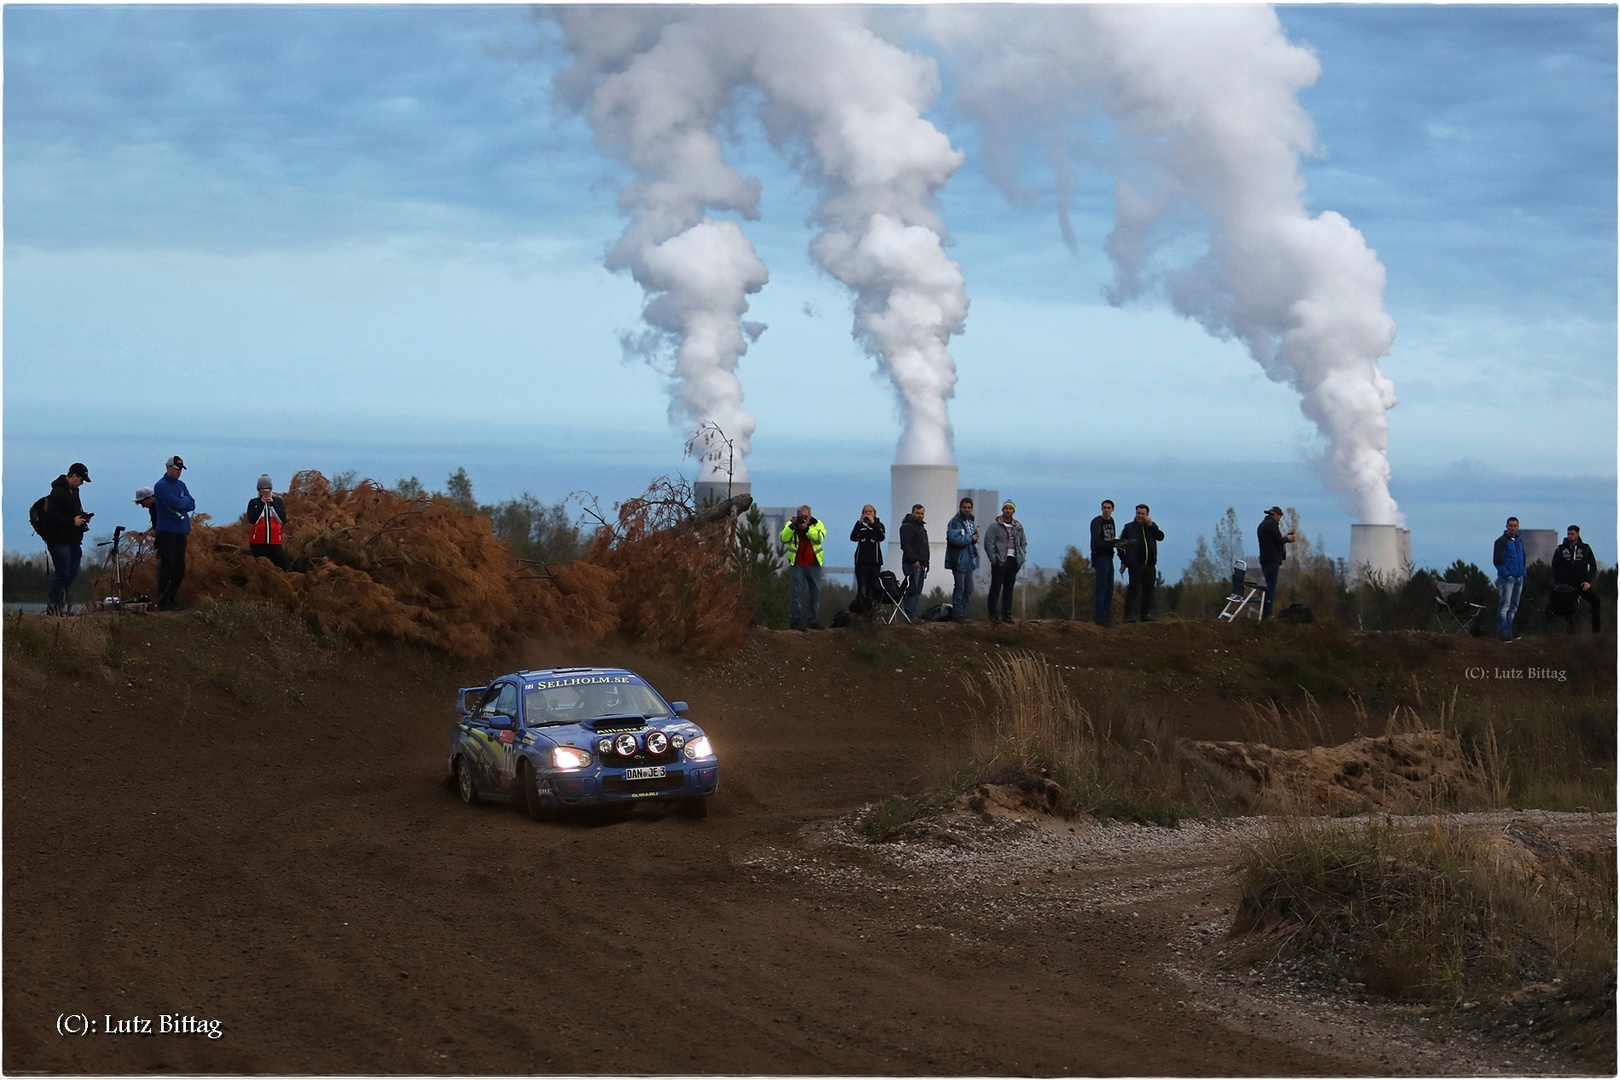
[
  {"x": 569, "y": 757},
  {"x": 699, "y": 748},
  {"x": 657, "y": 742}
]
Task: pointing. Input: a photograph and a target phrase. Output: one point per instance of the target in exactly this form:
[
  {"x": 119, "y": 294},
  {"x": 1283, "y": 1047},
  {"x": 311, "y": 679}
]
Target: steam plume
[
  {"x": 1204, "y": 103},
  {"x": 655, "y": 89},
  {"x": 847, "y": 106}
]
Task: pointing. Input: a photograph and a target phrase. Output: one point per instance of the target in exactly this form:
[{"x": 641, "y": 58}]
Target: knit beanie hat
[{"x": 265, "y": 484}]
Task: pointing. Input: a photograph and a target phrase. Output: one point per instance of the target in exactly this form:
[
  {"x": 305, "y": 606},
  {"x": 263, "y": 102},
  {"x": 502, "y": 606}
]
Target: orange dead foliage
[{"x": 369, "y": 564}]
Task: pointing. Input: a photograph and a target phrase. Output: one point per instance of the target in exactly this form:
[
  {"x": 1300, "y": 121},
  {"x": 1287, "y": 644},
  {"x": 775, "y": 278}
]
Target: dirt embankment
[{"x": 214, "y": 815}]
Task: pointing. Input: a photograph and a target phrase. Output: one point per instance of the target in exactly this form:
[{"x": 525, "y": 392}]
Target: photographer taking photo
[
  {"x": 63, "y": 524},
  {"x": 803, "y": 535}
]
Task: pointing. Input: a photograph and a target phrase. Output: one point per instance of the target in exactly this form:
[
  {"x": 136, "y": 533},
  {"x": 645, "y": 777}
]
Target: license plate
[{"x": 648, "y": 772}]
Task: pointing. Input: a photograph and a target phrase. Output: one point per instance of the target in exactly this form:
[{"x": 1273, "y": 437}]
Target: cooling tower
[
  {"x": 935, "y": 487},
  {"x": 707, "y": 491},
  {"x": 1539, "y": 545},
  {"x": 1384, "y": 551}
]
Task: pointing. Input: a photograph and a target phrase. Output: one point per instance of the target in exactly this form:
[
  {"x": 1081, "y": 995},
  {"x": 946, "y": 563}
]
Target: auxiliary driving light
[
  {"x": 625, "y": 745},
  {"x": 604, "y": 746},
  {"x": 657, "y": 743},
  {"x": 677, "y": 741}
]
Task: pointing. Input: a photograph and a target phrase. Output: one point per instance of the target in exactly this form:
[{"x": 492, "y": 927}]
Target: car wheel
[
  {"x": 531, "y": 794},
  {"x": 697, "y": 806},
  {"x": 464, "y": 781}
]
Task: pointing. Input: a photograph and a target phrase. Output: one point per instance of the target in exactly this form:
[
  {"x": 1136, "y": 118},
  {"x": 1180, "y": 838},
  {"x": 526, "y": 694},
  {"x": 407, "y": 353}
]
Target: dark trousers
[
  {"x": 171, "y": 555},
  {"x": 1569, "y": 610},
  {"x": 1002, "y": 576},
  {"x": 1139, "y": 593},
  {"x": 65, "y": 558},
  {"x": 1270, "y": 572},
  {"x": 276, "y": 553},
  {"x": 1104, "y": 570},
  {"x": 866, "y": 579}
]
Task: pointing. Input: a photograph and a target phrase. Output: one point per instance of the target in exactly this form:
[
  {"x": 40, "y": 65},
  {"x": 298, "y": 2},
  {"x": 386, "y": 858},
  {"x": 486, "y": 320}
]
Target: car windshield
[{"x": 580, "y": 698}]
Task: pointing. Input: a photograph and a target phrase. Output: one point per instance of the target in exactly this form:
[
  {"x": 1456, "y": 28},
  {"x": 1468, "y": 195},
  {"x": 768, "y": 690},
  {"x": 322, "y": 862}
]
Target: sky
[{"x": 278, "y": 238}]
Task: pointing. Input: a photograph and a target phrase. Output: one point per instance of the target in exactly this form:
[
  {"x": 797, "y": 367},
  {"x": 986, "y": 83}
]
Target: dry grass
[{"x": 1438, "y": 914}]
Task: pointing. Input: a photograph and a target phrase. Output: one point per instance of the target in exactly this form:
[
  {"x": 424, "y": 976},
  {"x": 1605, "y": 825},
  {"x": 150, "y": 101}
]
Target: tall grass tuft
[{"x": 1438, "y": 914}]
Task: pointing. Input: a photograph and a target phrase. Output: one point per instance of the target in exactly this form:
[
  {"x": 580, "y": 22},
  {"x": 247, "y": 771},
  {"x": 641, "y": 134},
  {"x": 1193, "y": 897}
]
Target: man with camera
[
  {"x": 63, "y": 525},
  {"x": 171, "y": 517},
  {"x": 803, "y": 536},
  {"x": 1273, "y": 550}
]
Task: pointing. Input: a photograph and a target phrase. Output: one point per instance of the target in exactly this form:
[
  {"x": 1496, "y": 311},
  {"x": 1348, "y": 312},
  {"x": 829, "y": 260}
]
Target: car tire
[
  {"x": 531, "y": 796},
  {"x": 464, "y": 782},
  {"x": 696, "y": 807}
]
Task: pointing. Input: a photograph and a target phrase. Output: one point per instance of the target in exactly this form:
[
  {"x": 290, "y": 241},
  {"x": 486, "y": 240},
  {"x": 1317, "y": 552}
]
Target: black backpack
[{"x": 36, "y": 514}]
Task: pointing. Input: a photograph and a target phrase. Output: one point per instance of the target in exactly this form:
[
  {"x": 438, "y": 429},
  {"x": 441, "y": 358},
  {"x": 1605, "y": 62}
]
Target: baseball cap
[
  {"x": 175, "y": 462},
  {"x": 78, "y": 468},
  {"x": 142, "y": 493},
  {"x": 1275, "y": 510}
]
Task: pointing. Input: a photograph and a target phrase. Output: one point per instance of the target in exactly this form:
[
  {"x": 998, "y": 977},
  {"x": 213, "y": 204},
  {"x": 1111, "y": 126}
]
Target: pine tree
[
  {"x": 1228, "y": 542},
  {"x": 1202, "y": 570}
]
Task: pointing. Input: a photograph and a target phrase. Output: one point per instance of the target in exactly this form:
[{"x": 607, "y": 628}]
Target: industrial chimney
[{"x": 935, "y": 487}]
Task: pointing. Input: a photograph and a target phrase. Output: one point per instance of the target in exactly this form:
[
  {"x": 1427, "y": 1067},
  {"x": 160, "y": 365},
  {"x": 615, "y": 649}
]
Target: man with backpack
[
  {"x": 61, "y": 521},
  {"x": 171, "y": 518}
]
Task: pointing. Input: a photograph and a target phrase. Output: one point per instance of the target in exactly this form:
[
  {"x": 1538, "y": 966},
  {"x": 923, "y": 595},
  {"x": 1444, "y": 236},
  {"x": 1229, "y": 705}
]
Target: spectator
[
  {"x": 1273, "y": 551},
  {"x": 1140, "y": 556},
  {"x": 962, "y": 556},
  {"x": 171, "y": 518},
  {"x": 143, "y": 497},
  {"x": 914, "y": 556},
  {"x": 868, "y": 535},
  {"x": 1104, "y": 546},
  {"x": 804, "y": 536},
  {"x": 1508, "y": 556},
  {"x": 267, "y": 514},
  {"x": 1005, "y": 547},
  {"x": 63, "y": 527},
  {"x": 1574, "y": 568}
]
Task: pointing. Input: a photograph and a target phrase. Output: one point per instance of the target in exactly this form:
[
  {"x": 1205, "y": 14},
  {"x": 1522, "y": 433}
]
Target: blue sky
[{"x": 320, "y": 237}]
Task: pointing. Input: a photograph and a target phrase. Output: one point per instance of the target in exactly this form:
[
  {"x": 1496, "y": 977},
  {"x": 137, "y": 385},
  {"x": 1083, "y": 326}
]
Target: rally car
[{"x": 576, "y": 737}]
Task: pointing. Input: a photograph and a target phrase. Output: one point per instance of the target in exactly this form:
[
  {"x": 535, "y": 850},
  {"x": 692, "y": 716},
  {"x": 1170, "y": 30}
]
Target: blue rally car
[{"x": 573, "y": 737}]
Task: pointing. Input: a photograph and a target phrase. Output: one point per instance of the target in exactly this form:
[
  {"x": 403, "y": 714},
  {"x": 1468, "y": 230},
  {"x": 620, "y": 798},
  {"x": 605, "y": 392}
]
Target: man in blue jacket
[
  {"x": 171, "y": 518},
  {"x": 1508, "y": 556},
  {"x": 962, "y": 556}
]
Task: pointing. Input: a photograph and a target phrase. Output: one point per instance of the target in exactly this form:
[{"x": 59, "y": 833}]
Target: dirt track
[{"x": 182, "y": 840}]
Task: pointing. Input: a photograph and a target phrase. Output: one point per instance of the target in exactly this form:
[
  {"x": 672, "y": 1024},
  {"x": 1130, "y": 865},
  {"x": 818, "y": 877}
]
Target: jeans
[
  {"x": 66, "y": 560},
  {"x": 1104, "y": 569},
  {"x": 961, "y": 594},
  {"x": 914, "y": 584},
  {"x": 1002, "y": 576},
  {"x": 171, "y": 553},
  {"x": 866, "y": 579},
  {"x": 806, "y": 607},
  {"x": 1511, "y": 590},
  {"x": 1139, "y": 593},
  {"x": 1270, "y": 572}
]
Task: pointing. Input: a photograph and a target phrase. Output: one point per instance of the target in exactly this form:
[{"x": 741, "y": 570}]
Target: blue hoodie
[{"x": 172, "y": 514}]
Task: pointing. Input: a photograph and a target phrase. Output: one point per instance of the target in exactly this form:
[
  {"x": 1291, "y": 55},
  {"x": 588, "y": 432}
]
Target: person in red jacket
[{"x": 267, "y": 517}]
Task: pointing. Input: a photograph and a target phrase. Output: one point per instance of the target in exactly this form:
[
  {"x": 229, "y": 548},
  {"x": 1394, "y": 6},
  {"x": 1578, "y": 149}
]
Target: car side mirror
[
  {"x": 500, "y": 720},
  {"x": 678, "y": 708}
]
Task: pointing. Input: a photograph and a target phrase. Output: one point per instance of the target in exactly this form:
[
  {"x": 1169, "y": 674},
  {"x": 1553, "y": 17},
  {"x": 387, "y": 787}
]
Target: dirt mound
[
  {"x": 1027, "y": 796},
  {"x": 1398, "y": 773}
]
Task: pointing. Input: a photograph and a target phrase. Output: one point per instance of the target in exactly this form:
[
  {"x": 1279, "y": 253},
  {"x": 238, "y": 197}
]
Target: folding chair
[
  {"x": 1247, "y": 594},
  {"x": 1452, "y": 613},
  {"x": 891, "y": 592}
]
